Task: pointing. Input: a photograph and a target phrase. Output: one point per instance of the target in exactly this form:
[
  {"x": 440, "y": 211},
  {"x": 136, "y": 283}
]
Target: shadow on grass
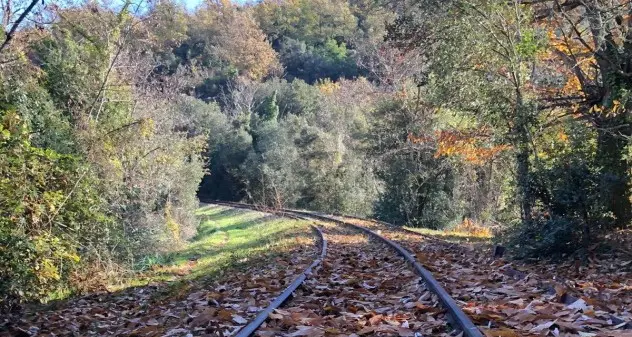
[
  {"x": 237, "y": 242},
  {"x": 215, "y": 213},
  {"x": 238, "y": 225}
]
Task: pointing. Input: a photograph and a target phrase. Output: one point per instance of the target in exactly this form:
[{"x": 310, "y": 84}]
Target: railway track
[{"x": 366, "y": 285}]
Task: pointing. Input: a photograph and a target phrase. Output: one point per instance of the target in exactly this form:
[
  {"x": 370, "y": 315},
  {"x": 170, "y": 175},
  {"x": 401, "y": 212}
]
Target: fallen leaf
[
  {"x": 239, "y": 320},
  {"x": 500, "y": 333}
]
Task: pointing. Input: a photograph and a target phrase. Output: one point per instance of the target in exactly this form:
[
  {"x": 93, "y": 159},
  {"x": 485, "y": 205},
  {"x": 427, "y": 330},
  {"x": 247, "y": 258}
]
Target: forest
[{"x": 117, "y": 118}]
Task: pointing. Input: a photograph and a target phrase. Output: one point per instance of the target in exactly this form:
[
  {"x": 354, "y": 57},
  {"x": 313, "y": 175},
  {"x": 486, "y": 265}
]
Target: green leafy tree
[{"x": 270, "y": 109}]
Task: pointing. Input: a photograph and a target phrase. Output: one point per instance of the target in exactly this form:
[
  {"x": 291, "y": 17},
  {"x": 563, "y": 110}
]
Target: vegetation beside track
[
  {"x": 227, "y": 238},
  {"x": 452, "y": 235}
]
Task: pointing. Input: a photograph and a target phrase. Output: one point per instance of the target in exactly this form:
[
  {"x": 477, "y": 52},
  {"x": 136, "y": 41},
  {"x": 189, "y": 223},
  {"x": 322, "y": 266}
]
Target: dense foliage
[{"x": 509, "y": 115}]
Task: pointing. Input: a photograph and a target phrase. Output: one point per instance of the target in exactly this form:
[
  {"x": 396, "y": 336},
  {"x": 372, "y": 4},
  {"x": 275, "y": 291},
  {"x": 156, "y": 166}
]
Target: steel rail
[
  {"x": 459, "y": 317},
  {"x": 263, "y": 315}
]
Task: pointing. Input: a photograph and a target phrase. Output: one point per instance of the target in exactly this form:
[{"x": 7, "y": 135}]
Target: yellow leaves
[
  {"x": 471, "y": 228},
  {"x": 328, "y": 87},
  {"x": 165, "y": 159},
  {"x": 72, "y": 256},
  {"x": 608, "y": 111},
  {"x": 108, "y": 146},
  {"x": 569, "y": 57},
  {"x": 562, "y": 136},
  {"x": 11, "y": 125},
  {"x": 238, "y": 40},
  {"x": 616, "y": 105},
  {"x": 53, "y": 252},
  {"x": 566, "y": 44},
  {"x": 613, "y": 110},
  {"x": 596, "y": 109},
  {"x": 170, "y": 222},
  {"x": 11, "y": 120},
  {"x": 572, "y": 86},
  {"x": 147, "y": 128},
  {"x": 116, "y": 166},
  {"x": 46, "y": 271},
  {"x": 616, "y": 108}
]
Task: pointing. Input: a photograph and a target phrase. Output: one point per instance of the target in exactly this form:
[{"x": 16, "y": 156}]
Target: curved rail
[
  {"x": 459, "y": 317},
  {"x": 263, "y": 315}
]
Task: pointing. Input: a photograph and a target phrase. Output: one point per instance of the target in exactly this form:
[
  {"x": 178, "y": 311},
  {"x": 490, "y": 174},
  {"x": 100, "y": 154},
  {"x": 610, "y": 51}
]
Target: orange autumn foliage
[
  {"x": 472, "y": 228},
  {"x": 468, "y": 145}
]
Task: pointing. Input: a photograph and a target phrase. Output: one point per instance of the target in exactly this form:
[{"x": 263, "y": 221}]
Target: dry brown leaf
[{"x": 500, "y": 333}]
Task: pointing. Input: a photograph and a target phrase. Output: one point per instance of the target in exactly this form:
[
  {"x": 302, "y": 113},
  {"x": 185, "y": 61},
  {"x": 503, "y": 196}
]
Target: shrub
[
  {"x": 48, "y": 214},
  {"x": 571, "y": 215},
  {"x": 544, "y": 236}
]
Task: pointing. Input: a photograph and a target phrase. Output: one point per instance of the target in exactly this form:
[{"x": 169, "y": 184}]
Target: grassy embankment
[{"x": 227, "y": 238}]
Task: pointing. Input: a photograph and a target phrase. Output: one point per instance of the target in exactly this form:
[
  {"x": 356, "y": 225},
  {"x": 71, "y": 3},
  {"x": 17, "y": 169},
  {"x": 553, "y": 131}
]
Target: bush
[
  {"x": 570, "y": 214},
  {"x": 47, "y": 214},
  {"x": 545, "y": 236}
]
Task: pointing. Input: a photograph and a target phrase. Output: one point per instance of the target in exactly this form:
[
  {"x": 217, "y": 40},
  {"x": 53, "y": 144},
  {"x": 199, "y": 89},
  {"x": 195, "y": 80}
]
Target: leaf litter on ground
[
  {"x": 362, "y": 288},
  {"x": 218, "y": 306},
  {"x": 508, "y": 298}
]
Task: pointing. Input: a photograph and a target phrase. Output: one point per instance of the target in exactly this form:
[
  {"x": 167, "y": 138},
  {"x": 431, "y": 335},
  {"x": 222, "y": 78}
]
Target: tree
[
  {"x": 533, "y": 72},
  {"x": 229, "y": 34},
  {"x": 313, "y": 63},
  {"x": 418, "y": 185},
  {"x": 492, "y": 82},
  {"x": 311, "y": 21},
  {"x": 113, "y": 155},
  {"x": 592, "y": 40},
  {"x": 270, "y": 108},
  {"x": 312, "y": 37},
  {"x": 48, "y": 215}
]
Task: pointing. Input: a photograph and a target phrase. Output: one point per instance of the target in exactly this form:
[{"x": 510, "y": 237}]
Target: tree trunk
[
  {"x": 613, "y": 131},
  {"x": 521, "y": 142},
  {"x": 614, "y": 189},
  {"x": 522, "y": 173}
]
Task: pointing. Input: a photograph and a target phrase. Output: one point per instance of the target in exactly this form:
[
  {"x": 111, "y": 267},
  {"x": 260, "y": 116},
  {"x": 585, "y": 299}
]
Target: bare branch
[{"x": 11, "y": 32}]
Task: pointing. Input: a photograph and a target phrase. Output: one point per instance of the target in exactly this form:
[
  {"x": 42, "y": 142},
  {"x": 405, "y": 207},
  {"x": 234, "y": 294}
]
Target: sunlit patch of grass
[
  {"x": 227, "y": 238},
  {"x": 463, "y": 232},
  {"x": 466, "y": 231}
]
